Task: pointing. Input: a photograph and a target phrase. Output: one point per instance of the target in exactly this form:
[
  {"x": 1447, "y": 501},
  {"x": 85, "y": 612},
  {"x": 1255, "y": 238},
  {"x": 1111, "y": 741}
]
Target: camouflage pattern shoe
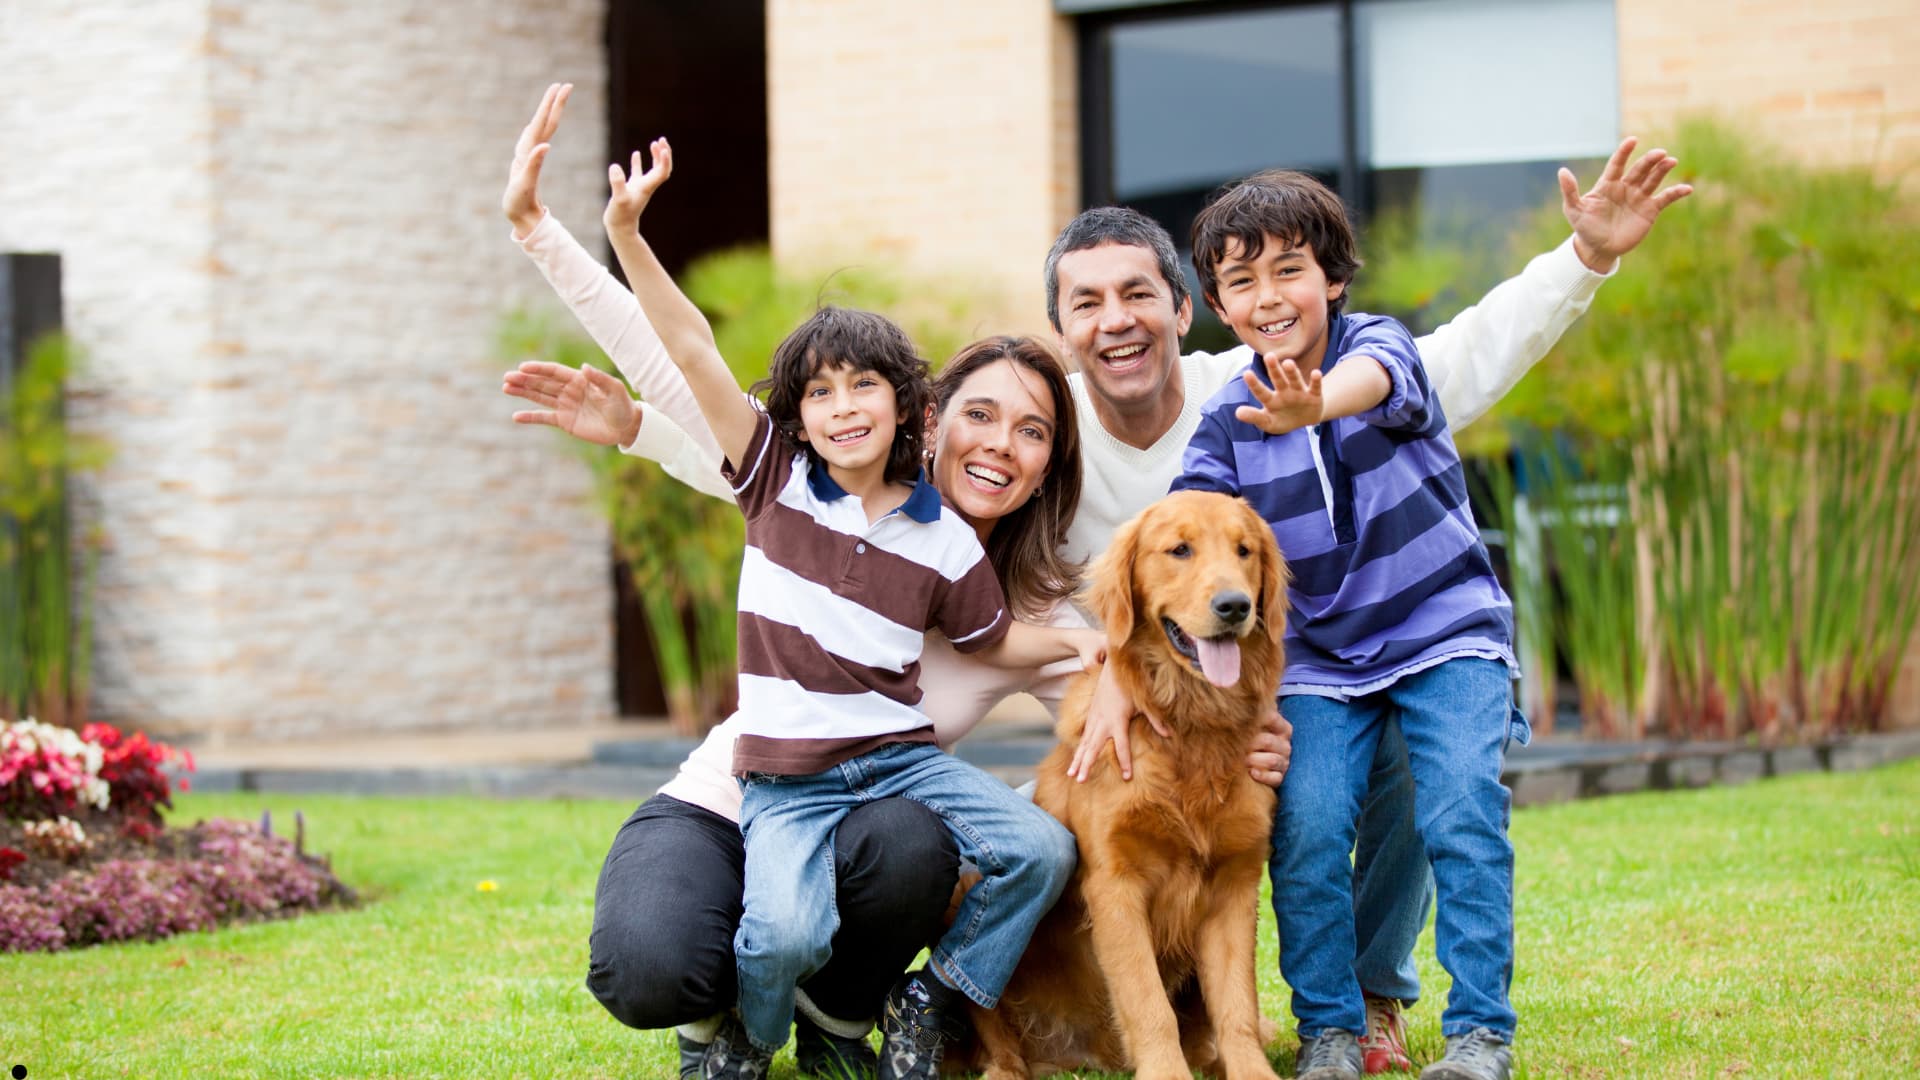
[
  {"x": 1477, "y": 1055},
  {"x": 691, "y": 1055},
  {"x": 921, "y": 1016},
  {"x": 732, "y": 1056}
]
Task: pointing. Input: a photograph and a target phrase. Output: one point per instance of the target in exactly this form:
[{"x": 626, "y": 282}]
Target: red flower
[{"x": 10, "y": 860}]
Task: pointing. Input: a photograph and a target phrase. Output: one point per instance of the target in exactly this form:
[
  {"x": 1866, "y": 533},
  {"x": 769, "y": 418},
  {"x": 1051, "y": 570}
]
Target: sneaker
[
  {"x": 1384, "y": 1047},
  {"x": 732, "y": 1056},
  {"x": 821, "y": 1053},
  {"x": 922, "y": 1015},
  {"x": 1331, "y": 1055},
  {"x": 691, "y": 1055},
  {"x": 1477, "y": 1055}
]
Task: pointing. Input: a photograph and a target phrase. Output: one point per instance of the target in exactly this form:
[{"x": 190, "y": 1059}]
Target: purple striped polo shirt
[
  {"x": 834, "y": 610},
  {"x": 1389, "y": 574}
]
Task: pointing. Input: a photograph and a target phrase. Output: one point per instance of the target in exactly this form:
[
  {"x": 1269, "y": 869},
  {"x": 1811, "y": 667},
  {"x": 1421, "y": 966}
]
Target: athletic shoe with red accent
[{"x": 1384, "y": 1047}]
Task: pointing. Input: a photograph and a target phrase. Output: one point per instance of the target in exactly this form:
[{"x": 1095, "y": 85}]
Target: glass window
[
  {"x": 1186, "y": 95},
  {"x": 1198, "y": 99},
  {"x": 1465, "y": 109},
  {"x": 1471, "y": 82},
  {"x": 1446, "y": 113}
]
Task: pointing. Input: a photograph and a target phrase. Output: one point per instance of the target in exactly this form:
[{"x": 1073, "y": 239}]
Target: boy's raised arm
[
  {"x": 682, "y": 328},
  {"x": 1479, "y": 355}
]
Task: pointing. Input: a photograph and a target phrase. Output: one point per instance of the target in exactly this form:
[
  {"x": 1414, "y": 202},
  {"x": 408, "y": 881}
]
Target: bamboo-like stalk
[
  {"x": 43, "y": 663},
  {"x": 1592, "y": 544}
]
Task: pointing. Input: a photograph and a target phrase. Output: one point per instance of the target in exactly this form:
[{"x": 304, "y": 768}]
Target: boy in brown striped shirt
[{"x": 851, "y": 557}]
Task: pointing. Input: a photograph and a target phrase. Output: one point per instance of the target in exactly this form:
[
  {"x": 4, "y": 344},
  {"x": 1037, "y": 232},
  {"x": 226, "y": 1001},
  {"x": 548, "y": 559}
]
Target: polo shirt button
[{"x": 859, "y": 549}]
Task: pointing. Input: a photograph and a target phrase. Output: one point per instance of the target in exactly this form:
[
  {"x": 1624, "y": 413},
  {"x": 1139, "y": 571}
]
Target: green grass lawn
[{"x": 1766, "y": 930}]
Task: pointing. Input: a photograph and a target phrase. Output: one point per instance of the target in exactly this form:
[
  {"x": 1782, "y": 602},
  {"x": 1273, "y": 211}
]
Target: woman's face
[{"x": 994, "y": 443}]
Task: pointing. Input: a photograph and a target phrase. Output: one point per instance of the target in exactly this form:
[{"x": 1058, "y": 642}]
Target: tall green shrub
[
  {"x": 683, "y": 548},
  {"x": 45, "y": 634},
  {"x": 1746, "y": 386}
]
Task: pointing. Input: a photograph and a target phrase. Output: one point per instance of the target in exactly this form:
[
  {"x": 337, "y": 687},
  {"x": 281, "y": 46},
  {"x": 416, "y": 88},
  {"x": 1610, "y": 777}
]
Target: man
[{"x": 1118, "y": 299}]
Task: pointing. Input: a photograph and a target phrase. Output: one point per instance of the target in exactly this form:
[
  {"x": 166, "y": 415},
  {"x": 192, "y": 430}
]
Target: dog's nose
[{"x": 1232, "y": 607}]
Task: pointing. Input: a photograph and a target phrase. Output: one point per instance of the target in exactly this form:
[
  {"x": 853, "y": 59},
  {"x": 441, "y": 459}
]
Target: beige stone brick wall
[
  {"x": 113, "y": 174},
  {"x": 938, "y": 137},
  {"x": 285, "y": 259},
  {"x": 1833, "y": 82}
]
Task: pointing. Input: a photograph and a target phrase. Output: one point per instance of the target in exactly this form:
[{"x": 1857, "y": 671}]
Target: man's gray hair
[{"x": 1113, "y": 225}]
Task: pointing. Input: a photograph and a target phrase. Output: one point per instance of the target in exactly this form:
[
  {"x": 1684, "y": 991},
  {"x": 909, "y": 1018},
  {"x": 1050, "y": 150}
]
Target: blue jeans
[
  {"x": 1455, "y": 718},
  {"x": 1025, "y": 858},
  {"x": 1392, "y": 885}
]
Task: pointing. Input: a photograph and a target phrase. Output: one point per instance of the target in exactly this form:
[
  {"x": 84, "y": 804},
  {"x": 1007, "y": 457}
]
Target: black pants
[{"x": 668, "y": 903}]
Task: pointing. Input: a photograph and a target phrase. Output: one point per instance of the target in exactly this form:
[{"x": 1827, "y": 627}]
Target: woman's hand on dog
[
  {"x": 1109, "y": 718},
  {"x": 1272, "y": 750}
]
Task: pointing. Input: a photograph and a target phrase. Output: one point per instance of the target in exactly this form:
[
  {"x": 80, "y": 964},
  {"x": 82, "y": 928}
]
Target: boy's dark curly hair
[
  {"x": 837, "y": 337},
  {"x": 1289, "y": 206}
]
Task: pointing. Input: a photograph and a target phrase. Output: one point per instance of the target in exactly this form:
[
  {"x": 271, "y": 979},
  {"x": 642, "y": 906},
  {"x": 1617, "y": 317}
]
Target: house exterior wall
[
  {"x": 284, "y": 261},
  {"x": 1831, "y": 82},
  {"x": 937, "y": 137},
  {"x": 125, "y": 163},
  {"x": 945, "y": 137}
]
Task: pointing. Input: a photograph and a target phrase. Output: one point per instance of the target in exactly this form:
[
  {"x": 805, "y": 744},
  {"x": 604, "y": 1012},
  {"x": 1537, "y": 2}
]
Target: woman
[{"x": 1006, "y": 456}]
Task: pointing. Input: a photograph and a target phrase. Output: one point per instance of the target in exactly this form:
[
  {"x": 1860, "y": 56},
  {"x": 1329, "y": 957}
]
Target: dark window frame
[{"x": 1096, "y": 97}]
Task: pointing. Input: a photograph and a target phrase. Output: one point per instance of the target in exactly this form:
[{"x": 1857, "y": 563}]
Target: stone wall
[
  {"x": 284, "y": 260},
  {"x": 939, "y": 137},
  {"x": 1833, "y": 82}
]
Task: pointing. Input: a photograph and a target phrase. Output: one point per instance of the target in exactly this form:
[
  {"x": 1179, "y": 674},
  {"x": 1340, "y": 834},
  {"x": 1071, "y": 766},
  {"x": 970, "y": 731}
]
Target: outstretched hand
[
  {"x": 632, "y": 190},
  {"x": 521, "y": 200},
  {"x": 584, "y": 402},
  {"x": 1619, "y": 211},
  {"x": 1295, "y": 400}
]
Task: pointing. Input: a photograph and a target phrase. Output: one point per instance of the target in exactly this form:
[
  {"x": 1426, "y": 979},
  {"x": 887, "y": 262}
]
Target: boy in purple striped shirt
[{"x": 1335, "y": 437}]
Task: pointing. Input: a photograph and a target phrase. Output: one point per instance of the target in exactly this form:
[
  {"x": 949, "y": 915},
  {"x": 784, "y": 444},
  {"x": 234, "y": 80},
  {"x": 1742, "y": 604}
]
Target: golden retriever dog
[{"x": 1146, "y": 962}]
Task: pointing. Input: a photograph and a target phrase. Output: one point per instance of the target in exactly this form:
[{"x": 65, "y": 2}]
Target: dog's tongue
[{"x": 1219, "y": 659}]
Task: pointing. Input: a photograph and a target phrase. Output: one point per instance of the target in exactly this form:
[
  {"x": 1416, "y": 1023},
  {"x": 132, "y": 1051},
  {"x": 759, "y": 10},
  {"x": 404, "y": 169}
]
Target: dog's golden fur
[{"x": 1147, "y": 961}]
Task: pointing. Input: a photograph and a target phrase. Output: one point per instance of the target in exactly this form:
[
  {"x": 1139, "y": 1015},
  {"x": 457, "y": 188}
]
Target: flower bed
[{"x": 86, "y": 858}]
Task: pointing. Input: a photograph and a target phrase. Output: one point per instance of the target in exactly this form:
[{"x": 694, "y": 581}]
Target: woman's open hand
[{"x": 521, "y": 200}]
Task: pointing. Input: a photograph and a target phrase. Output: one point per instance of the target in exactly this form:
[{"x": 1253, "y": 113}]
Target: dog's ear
[
  {"x": 1110, "y": 593},
  {"x": 1273, "y": 578}
]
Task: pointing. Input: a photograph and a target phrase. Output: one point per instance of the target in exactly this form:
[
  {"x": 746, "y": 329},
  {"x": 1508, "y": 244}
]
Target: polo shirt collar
[{"x": 923, "y": 505}]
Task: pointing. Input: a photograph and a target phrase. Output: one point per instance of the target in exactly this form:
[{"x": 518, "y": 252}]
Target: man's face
[{"x": 1119, "y": 324}]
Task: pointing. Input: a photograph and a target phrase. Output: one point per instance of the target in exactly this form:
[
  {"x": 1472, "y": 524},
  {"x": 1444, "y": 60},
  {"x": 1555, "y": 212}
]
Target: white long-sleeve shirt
[{"x": 1471, "y": 362}]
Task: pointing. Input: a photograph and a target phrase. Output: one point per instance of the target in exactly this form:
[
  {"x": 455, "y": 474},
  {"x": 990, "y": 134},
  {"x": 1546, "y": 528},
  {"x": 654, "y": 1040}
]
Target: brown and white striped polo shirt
[{"x": 834, "y": 610}]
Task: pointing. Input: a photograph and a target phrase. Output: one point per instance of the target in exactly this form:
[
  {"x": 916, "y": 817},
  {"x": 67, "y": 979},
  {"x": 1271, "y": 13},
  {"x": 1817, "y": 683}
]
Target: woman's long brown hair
[{"x": 1024, "y": 546}]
